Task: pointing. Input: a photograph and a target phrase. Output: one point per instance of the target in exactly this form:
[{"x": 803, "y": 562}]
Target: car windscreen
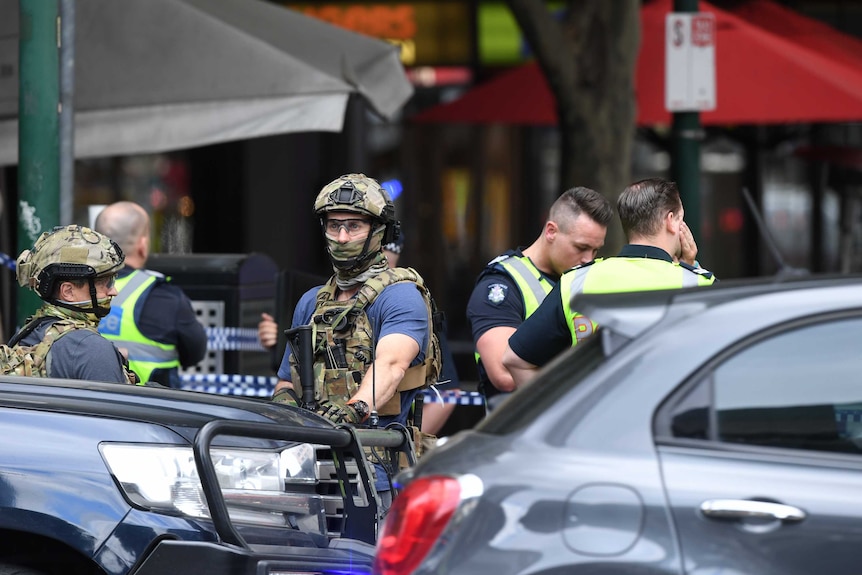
[{"x": 553, "y": 381}]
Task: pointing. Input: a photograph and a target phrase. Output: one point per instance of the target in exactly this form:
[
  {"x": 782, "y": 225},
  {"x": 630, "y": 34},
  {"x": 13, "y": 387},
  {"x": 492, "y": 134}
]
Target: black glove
[{"x": 338, "y": 413}]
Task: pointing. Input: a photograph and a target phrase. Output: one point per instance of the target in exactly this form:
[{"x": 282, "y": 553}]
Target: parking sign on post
[{"x": 690, "y": 62}]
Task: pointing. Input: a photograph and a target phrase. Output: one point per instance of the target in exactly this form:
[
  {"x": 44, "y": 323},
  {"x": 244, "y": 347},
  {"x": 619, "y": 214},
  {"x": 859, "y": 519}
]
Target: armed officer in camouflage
[
  {"x": 72, "y": 269},
  {"x": 373, "y": 342}
]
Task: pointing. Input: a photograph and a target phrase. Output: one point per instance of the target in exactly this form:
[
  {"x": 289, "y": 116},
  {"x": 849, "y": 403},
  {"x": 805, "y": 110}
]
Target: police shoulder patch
[
  {"x": 497, "y": 293},
  {"x": 697, "y": 270}
]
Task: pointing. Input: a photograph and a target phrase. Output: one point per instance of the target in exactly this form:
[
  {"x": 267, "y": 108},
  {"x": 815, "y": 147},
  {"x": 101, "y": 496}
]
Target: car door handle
[{"x": 746, "y": 508}]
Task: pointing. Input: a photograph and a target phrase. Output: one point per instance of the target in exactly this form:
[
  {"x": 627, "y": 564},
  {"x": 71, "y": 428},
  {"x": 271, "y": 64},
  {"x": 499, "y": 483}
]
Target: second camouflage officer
[{"x": 374, "y": 346}]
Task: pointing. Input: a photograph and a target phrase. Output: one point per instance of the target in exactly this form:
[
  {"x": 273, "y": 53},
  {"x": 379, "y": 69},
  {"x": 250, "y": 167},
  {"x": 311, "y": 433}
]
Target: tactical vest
[
  {"x": 622, "y": 274},
  {"x": 344, "y": 342},
  {"x": 31, "y": 360},
  {"x": 145, "y": 354}
]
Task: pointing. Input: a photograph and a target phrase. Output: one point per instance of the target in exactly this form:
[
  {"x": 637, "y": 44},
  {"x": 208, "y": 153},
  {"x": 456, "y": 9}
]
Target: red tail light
[{"x": 414, "y": 522}]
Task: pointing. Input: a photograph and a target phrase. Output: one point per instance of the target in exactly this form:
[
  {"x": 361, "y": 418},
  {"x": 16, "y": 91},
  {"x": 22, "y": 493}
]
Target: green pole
[
  {"x": 686, "y": 134},
  {"x": 38, "y": 130}
]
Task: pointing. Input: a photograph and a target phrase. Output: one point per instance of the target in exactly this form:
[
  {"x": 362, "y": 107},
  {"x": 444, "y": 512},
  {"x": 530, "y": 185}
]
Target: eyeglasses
[
  {"x": 353, "y": 227},
  {"x": 106, "y": 281}
]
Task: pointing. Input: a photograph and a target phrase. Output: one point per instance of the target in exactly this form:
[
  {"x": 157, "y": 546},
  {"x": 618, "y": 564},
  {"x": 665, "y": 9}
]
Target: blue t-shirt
[{"x": 399, "y": 308}]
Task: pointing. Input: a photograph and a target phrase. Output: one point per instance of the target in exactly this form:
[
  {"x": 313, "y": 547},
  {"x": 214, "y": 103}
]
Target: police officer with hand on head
[
  {"x": 512, "y": 286},
  {"x": 660, "y": 254}
]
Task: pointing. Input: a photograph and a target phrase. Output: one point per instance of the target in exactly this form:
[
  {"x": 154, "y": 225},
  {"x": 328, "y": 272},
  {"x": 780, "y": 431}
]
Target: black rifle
[{"x": 302, "y": 346}]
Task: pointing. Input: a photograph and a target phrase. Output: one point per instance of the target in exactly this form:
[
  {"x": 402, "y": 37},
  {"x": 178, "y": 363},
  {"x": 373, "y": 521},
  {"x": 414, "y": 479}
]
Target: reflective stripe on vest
[
  {"x": 145, "y": 354},
  {"x": 533, "y": 285},
  {"x": 620, "y": 274},
  {"x": 572, "y": 283}
]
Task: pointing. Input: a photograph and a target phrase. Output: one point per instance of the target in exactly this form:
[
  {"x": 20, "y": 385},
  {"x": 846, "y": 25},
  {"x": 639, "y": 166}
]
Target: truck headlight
[{"x": 259, "y": 486}]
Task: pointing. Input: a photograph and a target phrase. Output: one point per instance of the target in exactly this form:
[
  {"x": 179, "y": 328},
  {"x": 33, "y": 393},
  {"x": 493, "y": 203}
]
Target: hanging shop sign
[
  {"x": 689, "y": 62},
  {"x": 429, "y": 33}
]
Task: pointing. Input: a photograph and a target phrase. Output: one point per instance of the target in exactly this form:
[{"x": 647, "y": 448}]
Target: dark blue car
[{"x": 109, "y": 479}]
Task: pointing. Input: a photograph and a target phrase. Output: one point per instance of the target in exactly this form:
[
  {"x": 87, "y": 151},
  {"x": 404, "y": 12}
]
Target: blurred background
[{"x": 477, "y": 153}]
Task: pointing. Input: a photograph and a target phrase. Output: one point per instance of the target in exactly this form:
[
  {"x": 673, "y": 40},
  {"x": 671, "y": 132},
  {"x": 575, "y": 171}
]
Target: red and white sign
[{"x": 689, "y": 62}]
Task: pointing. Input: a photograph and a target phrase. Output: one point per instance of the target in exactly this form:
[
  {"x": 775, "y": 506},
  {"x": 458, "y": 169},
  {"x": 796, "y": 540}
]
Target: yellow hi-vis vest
[
  {"x": 145, "y": 354},
  {"x": 534, "y": 286},
  {"x": 622, "y": 274}
]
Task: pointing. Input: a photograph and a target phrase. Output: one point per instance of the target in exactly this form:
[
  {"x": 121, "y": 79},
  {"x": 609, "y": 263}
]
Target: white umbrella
[{"x": 158, "y": 75}]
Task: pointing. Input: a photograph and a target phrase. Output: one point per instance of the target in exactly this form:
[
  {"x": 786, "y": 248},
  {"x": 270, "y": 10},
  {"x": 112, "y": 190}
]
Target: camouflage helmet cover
[
  {"x": 355, "y": 193},
  {"x": 67, "y": 252}
]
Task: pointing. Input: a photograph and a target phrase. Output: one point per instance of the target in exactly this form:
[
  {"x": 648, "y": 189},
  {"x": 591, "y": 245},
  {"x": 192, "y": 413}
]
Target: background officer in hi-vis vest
[
  {"x": 151, "y": 320},
  {"x": 660, "y": 254}
]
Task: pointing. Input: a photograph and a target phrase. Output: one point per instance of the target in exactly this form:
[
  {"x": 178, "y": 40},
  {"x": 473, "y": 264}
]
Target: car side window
[{"x": 800, "y": 389}]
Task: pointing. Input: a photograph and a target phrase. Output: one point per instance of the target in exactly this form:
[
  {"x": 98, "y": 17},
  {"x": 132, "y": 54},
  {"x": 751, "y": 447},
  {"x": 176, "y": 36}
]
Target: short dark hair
[
  {"x": 580, "y": 200},
  {"x": 77, "y": 282},
  {"x": 643, "y": 206}
]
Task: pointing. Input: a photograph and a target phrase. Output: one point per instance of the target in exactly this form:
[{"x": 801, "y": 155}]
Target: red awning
[
  {"x": 812, "y": 34},
  {"x": 764, "y": 75}
]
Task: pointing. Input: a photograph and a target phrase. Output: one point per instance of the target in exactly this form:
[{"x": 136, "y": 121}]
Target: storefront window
[{"x": 158, "y": 182}]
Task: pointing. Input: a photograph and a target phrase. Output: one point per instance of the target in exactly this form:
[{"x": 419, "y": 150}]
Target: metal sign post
[
  {"x": 689, "y": 89},
  {"x": 690, "y": 62},
  {"x": 38, "y": 129}
]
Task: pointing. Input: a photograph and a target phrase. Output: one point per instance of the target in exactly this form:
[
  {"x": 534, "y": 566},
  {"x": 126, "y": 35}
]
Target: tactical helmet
[
  {"x": 67, "y": 253},
  {"x": 362, "y": 195}
]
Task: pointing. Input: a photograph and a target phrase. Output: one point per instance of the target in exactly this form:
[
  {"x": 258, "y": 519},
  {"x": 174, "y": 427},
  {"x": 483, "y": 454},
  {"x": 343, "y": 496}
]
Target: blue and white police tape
[
  {"x": 233, "y": 338},
  {"x": 262, "y": 386},
  {"x": 848, "y": 415},
  {"x": 247, "y": 385},
  {"x": 7, "y": 261}
]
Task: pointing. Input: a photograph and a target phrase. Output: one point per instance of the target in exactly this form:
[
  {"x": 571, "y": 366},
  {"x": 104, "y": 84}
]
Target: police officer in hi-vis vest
[
  {"x": 660, "y": 254},
  {"x": 151, "y": 320},
  {"x": 373, "y": 342},
  {"x": 512, "y": 286}
]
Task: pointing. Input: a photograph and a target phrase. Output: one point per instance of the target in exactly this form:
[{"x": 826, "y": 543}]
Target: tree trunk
[{"x": 589, "y": 59}]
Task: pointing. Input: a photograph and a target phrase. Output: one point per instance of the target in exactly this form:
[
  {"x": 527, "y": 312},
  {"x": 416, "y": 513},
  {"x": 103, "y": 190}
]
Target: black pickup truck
[{"x": 113, "y": 479}]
